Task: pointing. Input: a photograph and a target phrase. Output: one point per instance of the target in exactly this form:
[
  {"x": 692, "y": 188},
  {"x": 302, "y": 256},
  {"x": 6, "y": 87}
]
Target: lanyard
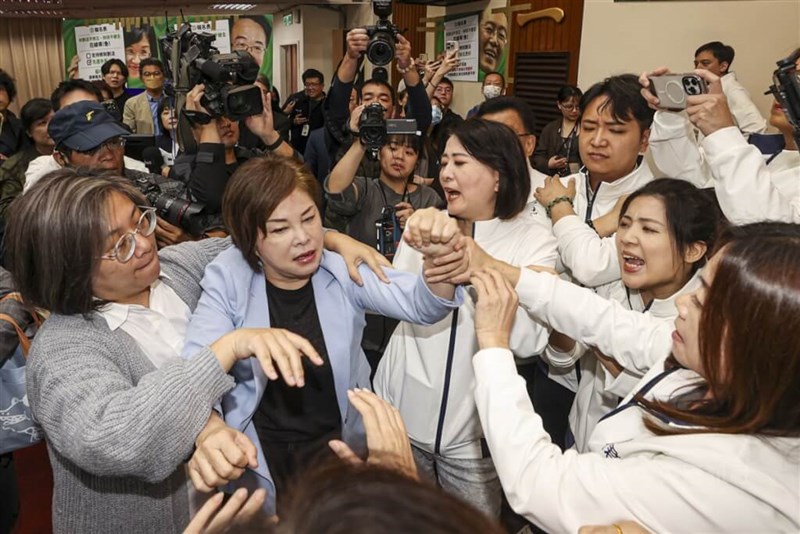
[{"x": 402, "y": 198}]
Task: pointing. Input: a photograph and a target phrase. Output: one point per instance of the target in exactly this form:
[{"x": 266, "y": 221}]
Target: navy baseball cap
[{"x": 83, "y": 126}]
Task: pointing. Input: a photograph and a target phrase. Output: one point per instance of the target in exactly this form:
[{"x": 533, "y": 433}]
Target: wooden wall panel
[
  {"x": 406, "y": 17},
  {"x": 545, "y": 35}
]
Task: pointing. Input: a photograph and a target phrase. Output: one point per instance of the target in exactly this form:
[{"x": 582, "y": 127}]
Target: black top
[
  {"x": 554, "y": 142},
  {"x": 12, "y": 138},
  {"x": 287, "y": 414},
  {"x": 309, "y": 109}
]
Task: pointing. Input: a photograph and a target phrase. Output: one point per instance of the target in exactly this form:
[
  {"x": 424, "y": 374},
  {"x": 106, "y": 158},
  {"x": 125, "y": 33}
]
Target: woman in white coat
[
  {"x": 665, "y": 230},
  {"x": 709, "y": 440}
]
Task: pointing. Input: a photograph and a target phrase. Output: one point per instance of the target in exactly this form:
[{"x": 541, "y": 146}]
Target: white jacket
[
  {"x": 685, "y": 483},
  {"x": 747, "y": 188},
  {"x": 592, "y": 260},
  {"x": 599, "y": 392},
  {"x": 415, "y": 373},
  {"x": 45, "y": 164},
  {"x": 744, "y": 111}
]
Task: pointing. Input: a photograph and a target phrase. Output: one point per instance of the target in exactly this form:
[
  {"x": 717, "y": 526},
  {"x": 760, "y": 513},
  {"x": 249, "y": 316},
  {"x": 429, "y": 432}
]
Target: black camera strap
[{"x": 405, "y": 197}]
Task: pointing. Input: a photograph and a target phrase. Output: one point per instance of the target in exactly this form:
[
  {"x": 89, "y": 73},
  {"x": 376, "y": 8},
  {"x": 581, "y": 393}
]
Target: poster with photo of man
[
  {"x": 483, "y": 36},
  {"x": 140, "y": 39}
]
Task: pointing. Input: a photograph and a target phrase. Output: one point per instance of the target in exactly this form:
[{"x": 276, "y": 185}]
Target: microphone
[{"x": 152, "y": 158}]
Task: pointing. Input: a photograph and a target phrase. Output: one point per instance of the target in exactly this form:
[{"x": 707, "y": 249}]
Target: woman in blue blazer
[{"x": 278, "y": 275}]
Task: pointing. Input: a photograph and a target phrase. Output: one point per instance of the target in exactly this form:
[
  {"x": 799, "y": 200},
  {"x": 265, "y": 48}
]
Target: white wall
[
  {"x": 318, "y": 27},
  {"x": 285, "y": 35},
  {"x": 634, "y": 37}
]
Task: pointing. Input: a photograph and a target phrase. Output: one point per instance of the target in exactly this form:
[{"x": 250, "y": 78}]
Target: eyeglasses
[
  {"x": 571, "y": 107},
  {"x": 151, "y": 74},
  {"x": 256, "y": 50},
  {"x": 111, "y": 144},
  {"x": 125, "y": 247},
  {"x": 309, "y": 85}
]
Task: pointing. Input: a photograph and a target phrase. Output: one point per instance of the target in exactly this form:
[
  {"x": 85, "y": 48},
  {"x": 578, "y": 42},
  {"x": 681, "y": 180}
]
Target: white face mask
[{"x": 491, "y": 91}]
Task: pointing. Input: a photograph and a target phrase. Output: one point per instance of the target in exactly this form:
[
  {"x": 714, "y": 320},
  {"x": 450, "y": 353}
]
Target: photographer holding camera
[
  {"x": 87, "y": 136},
  {"x": 218, "y": 154},
  {"x": 748, "y": 187},
  {"x": 376, "y": 44}
]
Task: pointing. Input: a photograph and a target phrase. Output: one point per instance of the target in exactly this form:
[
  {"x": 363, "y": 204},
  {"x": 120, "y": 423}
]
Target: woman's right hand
[
  {"x": 275, "y": 348},
  {"x": 430, "y": 226}
]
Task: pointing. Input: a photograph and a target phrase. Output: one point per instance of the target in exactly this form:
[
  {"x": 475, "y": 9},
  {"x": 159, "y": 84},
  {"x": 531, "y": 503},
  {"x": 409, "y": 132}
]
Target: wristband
[
  {"x": 557, "y": 200},
  {"x": 274, "y": 146}
]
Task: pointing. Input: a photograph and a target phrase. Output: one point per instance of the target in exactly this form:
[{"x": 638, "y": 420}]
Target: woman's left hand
[
  {"x": 403, "y": 210},
  {"x": 387, "y": 439},
  {"x": 554, "y": 188},
  {"x": 355, "y": 253}
]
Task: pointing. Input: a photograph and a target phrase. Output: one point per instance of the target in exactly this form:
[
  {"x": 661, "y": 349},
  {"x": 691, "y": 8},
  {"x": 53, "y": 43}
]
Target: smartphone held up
[{"x": 672, "y": 90}]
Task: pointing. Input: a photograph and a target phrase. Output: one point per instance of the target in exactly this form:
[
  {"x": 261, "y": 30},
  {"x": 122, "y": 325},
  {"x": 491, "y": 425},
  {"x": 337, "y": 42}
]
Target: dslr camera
[
  {"x": 228, "y": 78},
  {"x": 383, "y": 35},
  {"x": 373, "y": 128},
  {"x": 177, "y": 211},
  {"x": 786, "y": 90}
]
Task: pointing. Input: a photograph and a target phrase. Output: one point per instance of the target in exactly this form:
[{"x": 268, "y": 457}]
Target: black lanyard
[
  {"x": 641, "y": 393},
  {"x": 567, "y": 144},
  {"x": 402, "y": 198}
]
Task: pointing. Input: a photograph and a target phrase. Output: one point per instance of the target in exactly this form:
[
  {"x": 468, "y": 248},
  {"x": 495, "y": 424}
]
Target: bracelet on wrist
[
  {"x": 405, "y": 70},
  {"x": 276, "y": 144},
  {"x": 557, "y": 200}
]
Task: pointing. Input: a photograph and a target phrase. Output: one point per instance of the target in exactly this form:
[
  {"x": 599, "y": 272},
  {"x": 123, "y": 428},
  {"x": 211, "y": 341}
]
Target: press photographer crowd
[{"x": 357, "y": 311}]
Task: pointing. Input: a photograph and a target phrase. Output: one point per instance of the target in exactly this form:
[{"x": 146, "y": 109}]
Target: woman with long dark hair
[{"x": 709, "y": 440}]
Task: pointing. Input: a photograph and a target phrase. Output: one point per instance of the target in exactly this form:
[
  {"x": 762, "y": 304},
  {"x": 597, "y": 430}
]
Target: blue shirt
[{"x": 154, "y": 102}]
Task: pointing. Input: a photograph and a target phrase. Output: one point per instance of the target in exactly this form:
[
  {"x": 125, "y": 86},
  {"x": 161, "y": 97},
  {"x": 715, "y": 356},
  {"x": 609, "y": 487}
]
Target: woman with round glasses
[
  {"x": 557, "y": 149},
  {"x": 121, "y": 411}
]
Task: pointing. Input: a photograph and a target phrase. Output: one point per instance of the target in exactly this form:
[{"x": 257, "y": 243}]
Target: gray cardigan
[{"x": 117, "y": 430}]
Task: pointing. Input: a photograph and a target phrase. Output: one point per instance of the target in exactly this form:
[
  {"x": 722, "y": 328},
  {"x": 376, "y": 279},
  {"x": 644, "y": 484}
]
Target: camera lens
[{"x": 380, "y": 49}]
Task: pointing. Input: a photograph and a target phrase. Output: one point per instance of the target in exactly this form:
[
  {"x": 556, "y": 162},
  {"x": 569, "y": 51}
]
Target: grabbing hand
[
  {"x": 239, "y": 514},
  {"x": 495, "y": 308},
  {"x": 387, "y": 439},
  {"x": 193, "y": 98},
  {"x": 554, "y": 188},
  {"x": 430, "y": 226},
  {"x": 355, "y": 253},
  {"x": 221, "y": 455},
  {"x": 274, "y": 348},
  {"x": 709, "y": 112}
]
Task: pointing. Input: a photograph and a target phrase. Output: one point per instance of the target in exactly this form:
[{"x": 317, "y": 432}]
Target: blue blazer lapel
[
  {"x": 256, "y": 315},
  {"x": 337, "y": 326}
]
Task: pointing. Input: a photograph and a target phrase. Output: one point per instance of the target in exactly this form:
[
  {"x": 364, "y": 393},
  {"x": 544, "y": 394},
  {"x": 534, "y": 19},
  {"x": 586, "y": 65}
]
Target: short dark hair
[
  {"x": 411, "y": 141},
  {"x": 503, "y": 78},
  {"x": 34, "y": 110},
  {"x": 567, "y": 92},
  {"x": 137, "y": 33},
  {"x": 513, "y": 103},
  {"x": 68, "y": 86},
  {"x": 254, "y": 191},
  {"x": 692, "y": 214},
  {"x": 313, "y": 73},
  {"x": 368, "y": 498},
  {"x": 106, "y": 68},
  {"x": 446, "y": 81},
  {"x": 67, "y": 211},
  {"x": 721, "y": 51},
  {"x": 382, "y": 83},
  {"x": 7, "y": 84},
  {"x": 103, "y": 86},
  {"x": 497, "y": 146},
  {"x": 623, "y": 94},
  {"x": 150, "y": 62}
]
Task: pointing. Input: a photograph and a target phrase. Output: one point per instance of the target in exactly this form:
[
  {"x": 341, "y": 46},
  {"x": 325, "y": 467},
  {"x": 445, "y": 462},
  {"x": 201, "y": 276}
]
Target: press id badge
[{"x": 305, "y": 130}]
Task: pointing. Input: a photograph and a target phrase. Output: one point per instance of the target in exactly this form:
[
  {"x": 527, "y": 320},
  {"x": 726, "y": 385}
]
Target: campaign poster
[
  {"x": 464, "y": 32},
  {"x": 140, "y": 40},
  {"x": 493, "y": 31},
  {"x": 95, "y": 45}
]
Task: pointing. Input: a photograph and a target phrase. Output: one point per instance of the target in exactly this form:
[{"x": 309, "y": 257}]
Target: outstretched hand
[{"x": 387, "y": 438}]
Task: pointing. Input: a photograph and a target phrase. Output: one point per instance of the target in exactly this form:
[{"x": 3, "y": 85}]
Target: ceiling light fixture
[{"x": 233, "y": 7}]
